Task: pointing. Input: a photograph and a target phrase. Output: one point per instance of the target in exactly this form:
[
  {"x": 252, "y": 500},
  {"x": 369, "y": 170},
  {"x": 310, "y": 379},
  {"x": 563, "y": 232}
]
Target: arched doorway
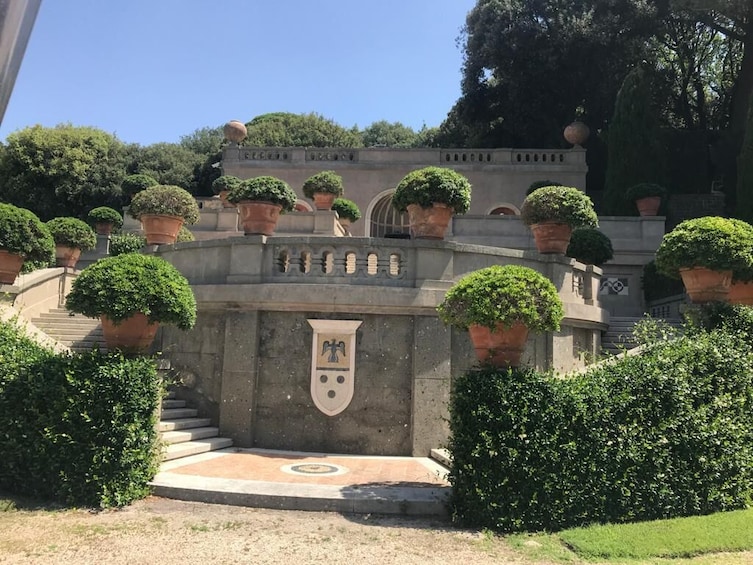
[{"x": 384, "y": 220}]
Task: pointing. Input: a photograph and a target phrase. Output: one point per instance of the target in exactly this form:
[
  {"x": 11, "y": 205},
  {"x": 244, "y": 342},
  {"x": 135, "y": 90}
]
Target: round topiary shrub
[
  {"x": 716, "y": 243},
  {"x": 590, "y": 246},
  {"x": 265, "y": 189},
  {"x": 119, "y": 287},
  {"x": 346, "y": 209},
  {"x": 134, "y": 184},
  {"x": 327, "y": 182},
  {"x": 165, "y": 200},
  {"x": 430, "y": 185},
  {"x": 560, "y": 204},
  {"x": 225, "y": 183},
  {"x": 537, "y": 184},
  {"x": 23, "y": 233},
  {"x": 72, "y": 232},
  {"x": 645, "y": 190},
  {"x": 184, "y": 235},
  {"x": 123, "y": 243},
  {"x": 105, "y": 215},
  {"x": 503, "y": 295}
]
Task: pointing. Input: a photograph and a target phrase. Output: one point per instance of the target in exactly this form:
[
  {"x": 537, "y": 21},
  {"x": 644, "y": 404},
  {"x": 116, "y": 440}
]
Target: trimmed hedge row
[
  {"x": 667, "y": 433},
  {"x": 78, "y": 429}
]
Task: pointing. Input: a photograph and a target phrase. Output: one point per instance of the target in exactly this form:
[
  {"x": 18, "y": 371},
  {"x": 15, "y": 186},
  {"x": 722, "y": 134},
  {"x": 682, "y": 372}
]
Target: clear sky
[{"x": 153, "y": 70}]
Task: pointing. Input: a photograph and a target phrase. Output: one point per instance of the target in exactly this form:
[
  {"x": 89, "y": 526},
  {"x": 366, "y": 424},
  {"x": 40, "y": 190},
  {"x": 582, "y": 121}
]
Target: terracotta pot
[
  {"x": 741, "y": 293},
  {"x": 345, "y": 223},
  {"x": 66, "y": 256},
  {"x": 502, "y": 347},
  {"x": 705, "y": 285},
  {"x": 648, "y": 206},
  {"x": 551, "y": 237},
  {"x": 135, "y": 333},
  {"x": 223, "y": 198},
  {"x": 103, "y": 228},
  {"x": 323, "y": 200},
  {"x": 258, "y": 218},
  {"x": 429, "y": 223},
  {"x": 10, "y": 266},
  {"x": 160, "y": 229}
]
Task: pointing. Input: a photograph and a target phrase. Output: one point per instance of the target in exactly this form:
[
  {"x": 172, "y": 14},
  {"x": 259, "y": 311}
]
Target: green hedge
[
  {"x": 78, "y": 429},
  {"x": 667, "y": 433}
]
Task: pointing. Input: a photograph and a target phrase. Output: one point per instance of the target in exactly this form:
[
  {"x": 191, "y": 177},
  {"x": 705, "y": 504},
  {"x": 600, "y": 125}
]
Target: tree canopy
[{"x": 284, "y": 129}]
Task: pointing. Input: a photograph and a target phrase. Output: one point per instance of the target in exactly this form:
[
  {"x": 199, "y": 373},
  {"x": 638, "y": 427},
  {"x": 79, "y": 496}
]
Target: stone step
[
  {"x": 69, "y": 325},
  {"x": 175, "y": 413},
  {"x": 170, "y": 395},
  {"x": 182, "y": 436},
  {"x": 178, "y": 450},
  {"x": 173, "y": 403},
  {"x": 182, "y": 424}
]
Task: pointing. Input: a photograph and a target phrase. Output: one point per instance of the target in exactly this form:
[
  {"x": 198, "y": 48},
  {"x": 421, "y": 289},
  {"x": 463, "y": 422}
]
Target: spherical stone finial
[
  {"x": 577, "y": 133},
  {"x": 235, "y": 131}
]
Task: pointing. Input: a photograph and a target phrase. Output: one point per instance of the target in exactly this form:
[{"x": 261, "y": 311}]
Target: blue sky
[{"x": 153, "y": 70}]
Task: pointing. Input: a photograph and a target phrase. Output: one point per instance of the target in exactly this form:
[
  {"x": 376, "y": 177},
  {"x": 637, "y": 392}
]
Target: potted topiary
[
  {"x": 347, "y": 212},
  {"x": 71, "y": 237},
  {"x": 590, "y": 246},
  {"x": 704, "y": 253},
  {"x": 133, "y": 184},
  {"x": 499, "y": 305},
  {"x": 162, "y": 210},
  {"x": 132, "y": 294},
  {"x": 222, "y": 186},
  {"x": 23, "y": 237},
  {"x": 553, "y": 212},
  {"x": 123, "y": 243},
  {"x": 260, "y": 202},
  {"x": 431, "y": 196},
  {"x": 104, "y": 220},
  {"x": 323, "y": 188},
  {"x": 647, "y": 197}
]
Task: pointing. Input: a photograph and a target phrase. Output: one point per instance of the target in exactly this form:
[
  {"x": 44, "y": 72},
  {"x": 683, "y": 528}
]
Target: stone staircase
[
  {"x": 75, "y": 331},
  {"x": 185, "y": 433},
  {"x": 619, "y": 337}
]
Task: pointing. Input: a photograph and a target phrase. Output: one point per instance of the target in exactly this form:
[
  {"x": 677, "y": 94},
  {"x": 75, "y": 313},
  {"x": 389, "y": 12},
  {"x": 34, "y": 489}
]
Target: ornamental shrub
[
  {"x": 645, "y": 190},
  {"x": 22, "y": 232},
  {"x": 535, "y": 185},
  {"x": 133, "y": 184},
  {"x": 503, "y": 294},
  {"x": 120, "y": 286},
  {"x": 346, "y": 209},
  {"x": 564, "y": 204},
  {"x": 77, "y": 429},
  {"x": 105, "y": 215},
  {"x": 184, "y": 235},
  {"x": 265, "y": 189},
  {"x": 72, "y": 232},
  {"x": 433, "y": 184},
  {"x": 326, "y": 181},
  {"x": 126, "y": 243},
  {"x": 165, "y": 200},
  {"x": 225, "y": 182},
  {"x": 656, "y": 285},
  {"x": 712, "y": 242},
  {"x": 590, "y": 246}
]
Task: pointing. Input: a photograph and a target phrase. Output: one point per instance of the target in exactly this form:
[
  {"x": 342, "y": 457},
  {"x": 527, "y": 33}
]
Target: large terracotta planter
[
  {"x": 10, "y": 266},
  {"x": 551, "y": 237},
  {"x": 705, "y": 285},
  {"x": 648, "y": 206},
  {"x": 741, "y": 293},
  {"x": 134, "y": 333},
  {"x": 323, "y": 200},
  {"x": 66, "y": 256},
  {"x": 160, "y": 229},
  {"x": 258, "y": 218},
  {"x": 103, "y": 228},
  {"x": 429, "y": 223},
  {"x": 502, "y": 347}
]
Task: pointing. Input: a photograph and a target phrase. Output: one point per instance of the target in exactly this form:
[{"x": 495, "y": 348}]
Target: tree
[
  {"x": 283, "y": 129},
  {"x": 62, "y": 171},
  {"x": 204, "y": 141},
  {"x": 634, "y": 153},
  {"x": 386, "y": 134},
  {"x": 168, "y": 163},
  {"x": 744, "y": 204}
]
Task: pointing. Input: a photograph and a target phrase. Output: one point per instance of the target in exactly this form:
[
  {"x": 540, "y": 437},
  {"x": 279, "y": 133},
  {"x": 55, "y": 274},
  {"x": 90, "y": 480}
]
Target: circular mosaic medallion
[{"x": 310, "y": 469}]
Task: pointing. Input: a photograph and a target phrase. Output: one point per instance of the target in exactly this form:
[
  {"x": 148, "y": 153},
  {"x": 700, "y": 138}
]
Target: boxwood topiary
[
  {"x": 72, "y": 232},
  {"x": 23, "y": 233},
  {"x": 645, "y": 190},
  {"x": 346, "y": 209},
  {"x": 184, "y": 235},
  {"x": 590, "y": 246},
  {"x": 167, "y": 200},
  {"x": 503, "y": 294},
  {"x": 433, "y": 184},
  {"x": 326, "y": 181},
  {"x": 225, "y": 183},
  {"x": 120, "y": 286},
  {"x": 123, "y": 243},
  {"x": 712, "y": 242},
  {"x": 105, "y": 215},
  {"x": 537, "y": 184},
  {"x": 564, "y": 204},
  {"x": 265, "y": 189}
]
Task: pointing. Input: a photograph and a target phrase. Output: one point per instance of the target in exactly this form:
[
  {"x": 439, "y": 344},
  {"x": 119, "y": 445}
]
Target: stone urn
[
  {"x": 235, "y": 131},
  {"x": 577, "y": 133}
]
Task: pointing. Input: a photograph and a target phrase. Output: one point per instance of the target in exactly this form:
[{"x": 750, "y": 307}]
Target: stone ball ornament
[
  {"x": 235, "y": 131},
  {"x": 577, "y": 133}
]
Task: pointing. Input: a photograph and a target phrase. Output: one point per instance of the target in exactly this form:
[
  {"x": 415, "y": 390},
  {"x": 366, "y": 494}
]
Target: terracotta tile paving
[{"x": 395, "y": 471}]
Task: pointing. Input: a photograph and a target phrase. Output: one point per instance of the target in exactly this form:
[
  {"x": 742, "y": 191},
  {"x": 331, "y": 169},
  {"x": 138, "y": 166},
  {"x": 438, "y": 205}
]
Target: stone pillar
[
  {"x": 239, "y": 372},
  {"x": 432, "y": 381}
]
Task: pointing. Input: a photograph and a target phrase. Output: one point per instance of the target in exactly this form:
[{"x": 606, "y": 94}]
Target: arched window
[
  {"x": 301, "y": 206},
  {"x": 504, "y": 210},
  {"x": 385, "y": 221}
]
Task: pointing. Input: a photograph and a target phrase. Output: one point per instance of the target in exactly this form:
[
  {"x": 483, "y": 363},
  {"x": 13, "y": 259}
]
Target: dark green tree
[
  {"x": 284, "y": 129},
  {"x": 386, "y": 134},
  {"x": 168, "y": 163},
  {"x": 744, "y": 204}
]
